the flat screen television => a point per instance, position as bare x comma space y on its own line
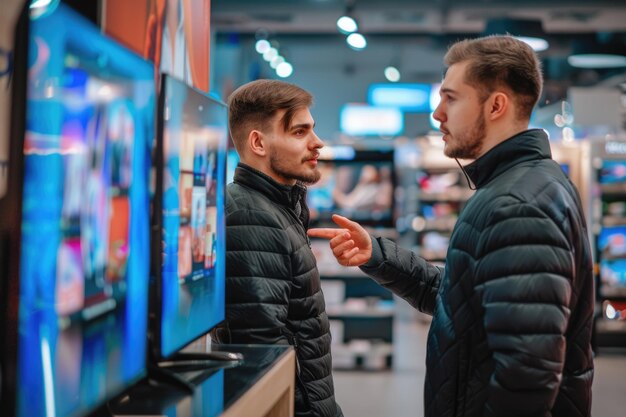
613, 172
408, 97
188, 291
84, 123
357, 119
358, 184
612, 242
613, 277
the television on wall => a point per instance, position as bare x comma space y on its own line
358, 184
84, 122
408, 97
188, 291
357, 119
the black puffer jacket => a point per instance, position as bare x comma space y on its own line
512, 311
273, 289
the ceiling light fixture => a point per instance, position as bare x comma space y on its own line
346, 23
529, 31
356, 41
590, 53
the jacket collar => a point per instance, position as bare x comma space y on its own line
529, 145
287, 195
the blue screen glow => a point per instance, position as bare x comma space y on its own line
83, 305
406, 97
194, 139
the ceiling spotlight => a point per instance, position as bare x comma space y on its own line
284, 69
270, 54
347, 24
356, 41
276, 61
392, 74
262, 46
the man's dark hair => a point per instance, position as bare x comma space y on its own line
497, 62
253, 105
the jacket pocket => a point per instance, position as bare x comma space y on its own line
293, 341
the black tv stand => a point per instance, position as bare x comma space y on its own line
168, 371
220, 356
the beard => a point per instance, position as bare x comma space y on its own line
282, 168
469, 144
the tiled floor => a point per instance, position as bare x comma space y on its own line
399, 392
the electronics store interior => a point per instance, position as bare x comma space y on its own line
115, 155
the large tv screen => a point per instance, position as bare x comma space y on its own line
613, 172
190, 244
357, 119
358, 184
84, 235
406, 97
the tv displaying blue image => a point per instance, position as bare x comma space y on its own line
83, 293
356, 119
406, 97
613, 172
194, 134
612, 242
613, 277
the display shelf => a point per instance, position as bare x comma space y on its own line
450, 195
617, 292
363, 355
609, 240
613, 189
608, 221
376, 311
441, 192
358, 309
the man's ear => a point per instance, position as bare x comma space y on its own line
256, 142
499, 104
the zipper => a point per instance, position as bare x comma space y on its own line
293, 341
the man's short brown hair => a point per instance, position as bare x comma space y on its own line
500, 61
254, 104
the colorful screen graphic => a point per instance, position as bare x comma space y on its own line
192, 274
360, 188
613, 172
85, 218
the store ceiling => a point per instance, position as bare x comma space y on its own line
416, 16
421, 30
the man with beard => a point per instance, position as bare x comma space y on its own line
512, 309
273, 289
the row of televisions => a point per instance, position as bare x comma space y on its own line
112, 251
87, 271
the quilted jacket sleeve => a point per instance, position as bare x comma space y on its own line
404, 273
524, 274
258, 277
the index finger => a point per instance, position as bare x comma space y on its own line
326, 233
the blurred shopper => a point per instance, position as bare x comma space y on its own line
273, 289
512, 310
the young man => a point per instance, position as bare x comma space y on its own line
273, 290
512, 310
